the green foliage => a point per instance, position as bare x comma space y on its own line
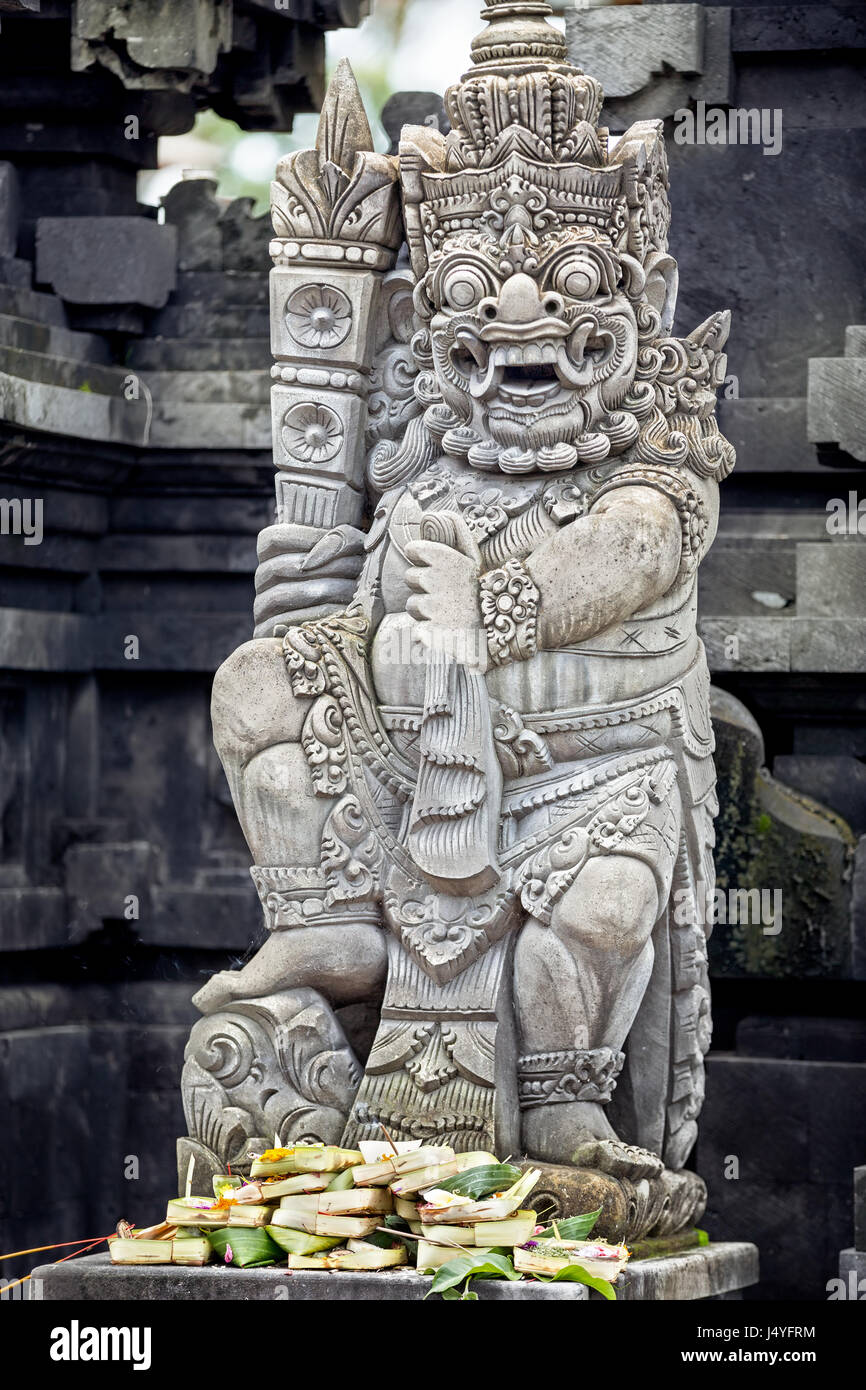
251, 1247
572, 1228
484, 1264
482, 1181
576, 1274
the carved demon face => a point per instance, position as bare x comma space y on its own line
535, 343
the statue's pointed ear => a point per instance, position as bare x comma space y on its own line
422, 151
662, 283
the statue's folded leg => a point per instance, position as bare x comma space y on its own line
258, 724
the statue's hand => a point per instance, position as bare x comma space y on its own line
304, 572
445, 601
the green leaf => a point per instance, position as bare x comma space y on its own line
703, 1238
482, 1181
572, 1228
576, 1274
342, 1182
487, 1264
251, 1247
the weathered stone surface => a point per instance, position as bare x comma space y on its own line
703, 1273
107, 260
803, 1039
792, 1194
860, 1208
831, 580
653, 61
413, 108
858, 910
839, 783
9, 202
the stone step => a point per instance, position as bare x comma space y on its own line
32, 336
199, 354
243, 387
32, 304
210, 320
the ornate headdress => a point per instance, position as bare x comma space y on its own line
525, 148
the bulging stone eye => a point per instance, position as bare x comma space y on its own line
578, 278
464, 288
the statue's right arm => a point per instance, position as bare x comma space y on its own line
605, 566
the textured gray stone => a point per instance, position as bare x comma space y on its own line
839, 783
852, 1266
858, 911
9, 204
860, 1208
107, 260
654, 60
837, 388
702, 1273
831, 580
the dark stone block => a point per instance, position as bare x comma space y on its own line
860, 1208
775, 328
858, 912
839, 783
756, 580
793, 1127
209, 320
803, 1039
107, 260
738, 1090
797, 28
9, 210
413, 108
192, 208
17, 272
245, 239
216, 919
198, 354
837, 1121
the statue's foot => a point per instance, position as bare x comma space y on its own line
553, 1132
617, 1159
221, 989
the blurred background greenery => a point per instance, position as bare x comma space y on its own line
405, 45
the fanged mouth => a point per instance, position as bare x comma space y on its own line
531, 376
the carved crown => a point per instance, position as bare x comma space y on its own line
525, 126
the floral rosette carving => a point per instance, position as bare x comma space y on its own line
312, 433
319, 316
509, 609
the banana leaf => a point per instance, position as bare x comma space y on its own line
244, 1247
487, 1264
300, 1242
481, 1182
572, 1228
342, 1182
576, 1274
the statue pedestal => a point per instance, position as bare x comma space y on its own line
708, 1272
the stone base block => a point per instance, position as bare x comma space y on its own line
710, 1272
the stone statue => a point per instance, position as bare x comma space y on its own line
470, 745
